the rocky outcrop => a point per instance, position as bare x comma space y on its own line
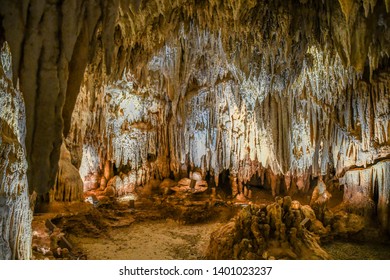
15, 212
186, 185
68, 186
282, 230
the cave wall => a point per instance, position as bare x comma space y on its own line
51, 42
15, 212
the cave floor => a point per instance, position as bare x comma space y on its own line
149, 240
167, 239
147, 233
143, 233
345, 250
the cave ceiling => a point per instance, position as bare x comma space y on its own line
333, 55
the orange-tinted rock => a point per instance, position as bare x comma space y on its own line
68, 186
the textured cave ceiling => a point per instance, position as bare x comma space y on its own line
322, 50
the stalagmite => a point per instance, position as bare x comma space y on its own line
68, 186
262, 233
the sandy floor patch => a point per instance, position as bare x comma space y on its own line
149, 240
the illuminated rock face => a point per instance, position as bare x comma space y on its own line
325, 120
367, 191
15, 213
284, 110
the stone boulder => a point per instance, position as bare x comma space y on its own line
184, 186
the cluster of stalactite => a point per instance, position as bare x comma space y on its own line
367, 191
327, 120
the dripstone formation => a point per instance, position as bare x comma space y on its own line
110, 97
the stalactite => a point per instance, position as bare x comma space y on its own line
252, 126
366, 192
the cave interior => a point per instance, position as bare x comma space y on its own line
219, 129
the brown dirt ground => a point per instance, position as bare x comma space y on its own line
149, 240
143, 234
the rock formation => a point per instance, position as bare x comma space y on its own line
284, 114
15, 213
279, 91
268, 232
284, 229
68, 185
367, 191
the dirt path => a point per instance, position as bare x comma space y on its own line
149, 240
344, 250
